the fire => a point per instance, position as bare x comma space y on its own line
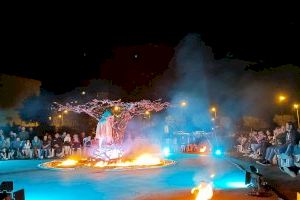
204, 191
147, 159
202, 149
143, 160
68, 163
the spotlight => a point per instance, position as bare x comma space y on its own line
6, 191
166, 151
6, 186
218, 152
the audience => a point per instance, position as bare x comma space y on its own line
19, 146
282, 147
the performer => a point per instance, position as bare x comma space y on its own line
104, 130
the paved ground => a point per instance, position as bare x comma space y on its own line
284, 183
41, 184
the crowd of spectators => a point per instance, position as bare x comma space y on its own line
278, 147
26, 144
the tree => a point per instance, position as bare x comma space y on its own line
281, 120
254, 122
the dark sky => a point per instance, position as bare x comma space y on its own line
65, 52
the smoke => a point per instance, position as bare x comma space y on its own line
195, 76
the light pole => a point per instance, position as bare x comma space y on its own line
296, 107
214, 110
62, 119
61, 116
281, 99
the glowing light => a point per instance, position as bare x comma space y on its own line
143, 160
147, 112
116, 108
213, 109
68, 163
166, 151
59, 116
83, 93
296, 106
212, 175
202, 149
66, 112
147, 159
204, 191
212, 119
183, 103
281, 98
218, 152
50, 118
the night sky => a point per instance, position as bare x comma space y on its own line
66, 52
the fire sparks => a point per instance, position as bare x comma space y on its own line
202, 149
68, 163
204, 191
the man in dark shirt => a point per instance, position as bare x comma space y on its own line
23, 135
57, 144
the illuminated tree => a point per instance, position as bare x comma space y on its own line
123, 112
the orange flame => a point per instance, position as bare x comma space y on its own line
202, 149
68, 163
143, 160
204, 191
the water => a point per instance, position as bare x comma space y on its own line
94, 184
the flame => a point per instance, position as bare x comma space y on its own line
143, 160
68, 163
204, 191
147, 159
202, 149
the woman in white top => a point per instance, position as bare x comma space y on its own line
67, 145
27, 149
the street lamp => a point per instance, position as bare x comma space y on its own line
296, 107
281, 98
214, 110
83, 92
183, 103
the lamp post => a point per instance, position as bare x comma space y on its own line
214, 110
281, 99
62, 119
296, 107
61, 116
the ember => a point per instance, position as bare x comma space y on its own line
204, 191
